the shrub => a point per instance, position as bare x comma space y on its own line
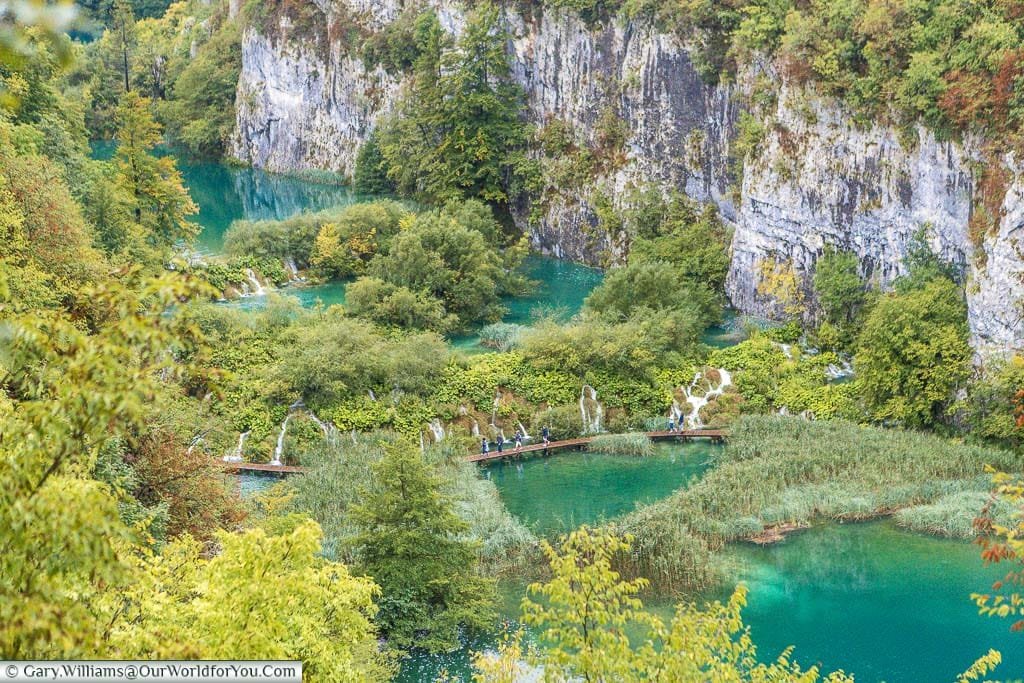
564, 422
634, 443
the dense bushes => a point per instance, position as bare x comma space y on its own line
337, 241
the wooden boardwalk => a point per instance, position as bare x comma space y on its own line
236, 467
715, 435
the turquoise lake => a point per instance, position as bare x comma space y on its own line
884, 604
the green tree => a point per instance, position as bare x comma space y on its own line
913, 353
657, 286
201, 111
411, 544
65, 394
459, 133
161, 204
396, 306
123, 31
452, 256
262, 596
838, 286
371, 175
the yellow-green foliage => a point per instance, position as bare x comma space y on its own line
769, 380
781, 283
265, 595
586, 610
1004, 542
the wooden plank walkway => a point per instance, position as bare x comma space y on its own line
261, 467
685, 435
716, 435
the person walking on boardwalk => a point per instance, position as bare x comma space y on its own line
519, 439
501, 443
671, 423
483, 446
546, 433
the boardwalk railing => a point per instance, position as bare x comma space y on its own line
715, 435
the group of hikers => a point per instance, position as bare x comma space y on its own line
672, 423
485, 445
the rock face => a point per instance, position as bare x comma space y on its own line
816, 178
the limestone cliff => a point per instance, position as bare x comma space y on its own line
815, 179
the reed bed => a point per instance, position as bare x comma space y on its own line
954, 514
782, 471
633, 443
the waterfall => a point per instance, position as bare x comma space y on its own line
698, 402
292, 269
196, 440
236, 455
324, 427
373, 396
494, 412
844, 369
522, 430
279, 448
475, 429
787, 350
436, 430
255, 288
590, 414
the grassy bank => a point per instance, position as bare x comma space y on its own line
778, 471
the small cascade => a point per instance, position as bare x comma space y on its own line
436, 430
196, 440
699, 401
494, 412
324, 427
373, 396
423, 445
236, 455
787, 350
254, 287
475, 429
591, 411
292, 270
840, 371
279, 448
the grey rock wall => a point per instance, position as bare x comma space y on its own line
816, 179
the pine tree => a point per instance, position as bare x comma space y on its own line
411, 544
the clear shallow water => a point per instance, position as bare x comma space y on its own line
876, 601
879, 602
560, 492
250, 484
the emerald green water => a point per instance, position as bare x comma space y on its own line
871, 599
226, 193
562, 491
876, 601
